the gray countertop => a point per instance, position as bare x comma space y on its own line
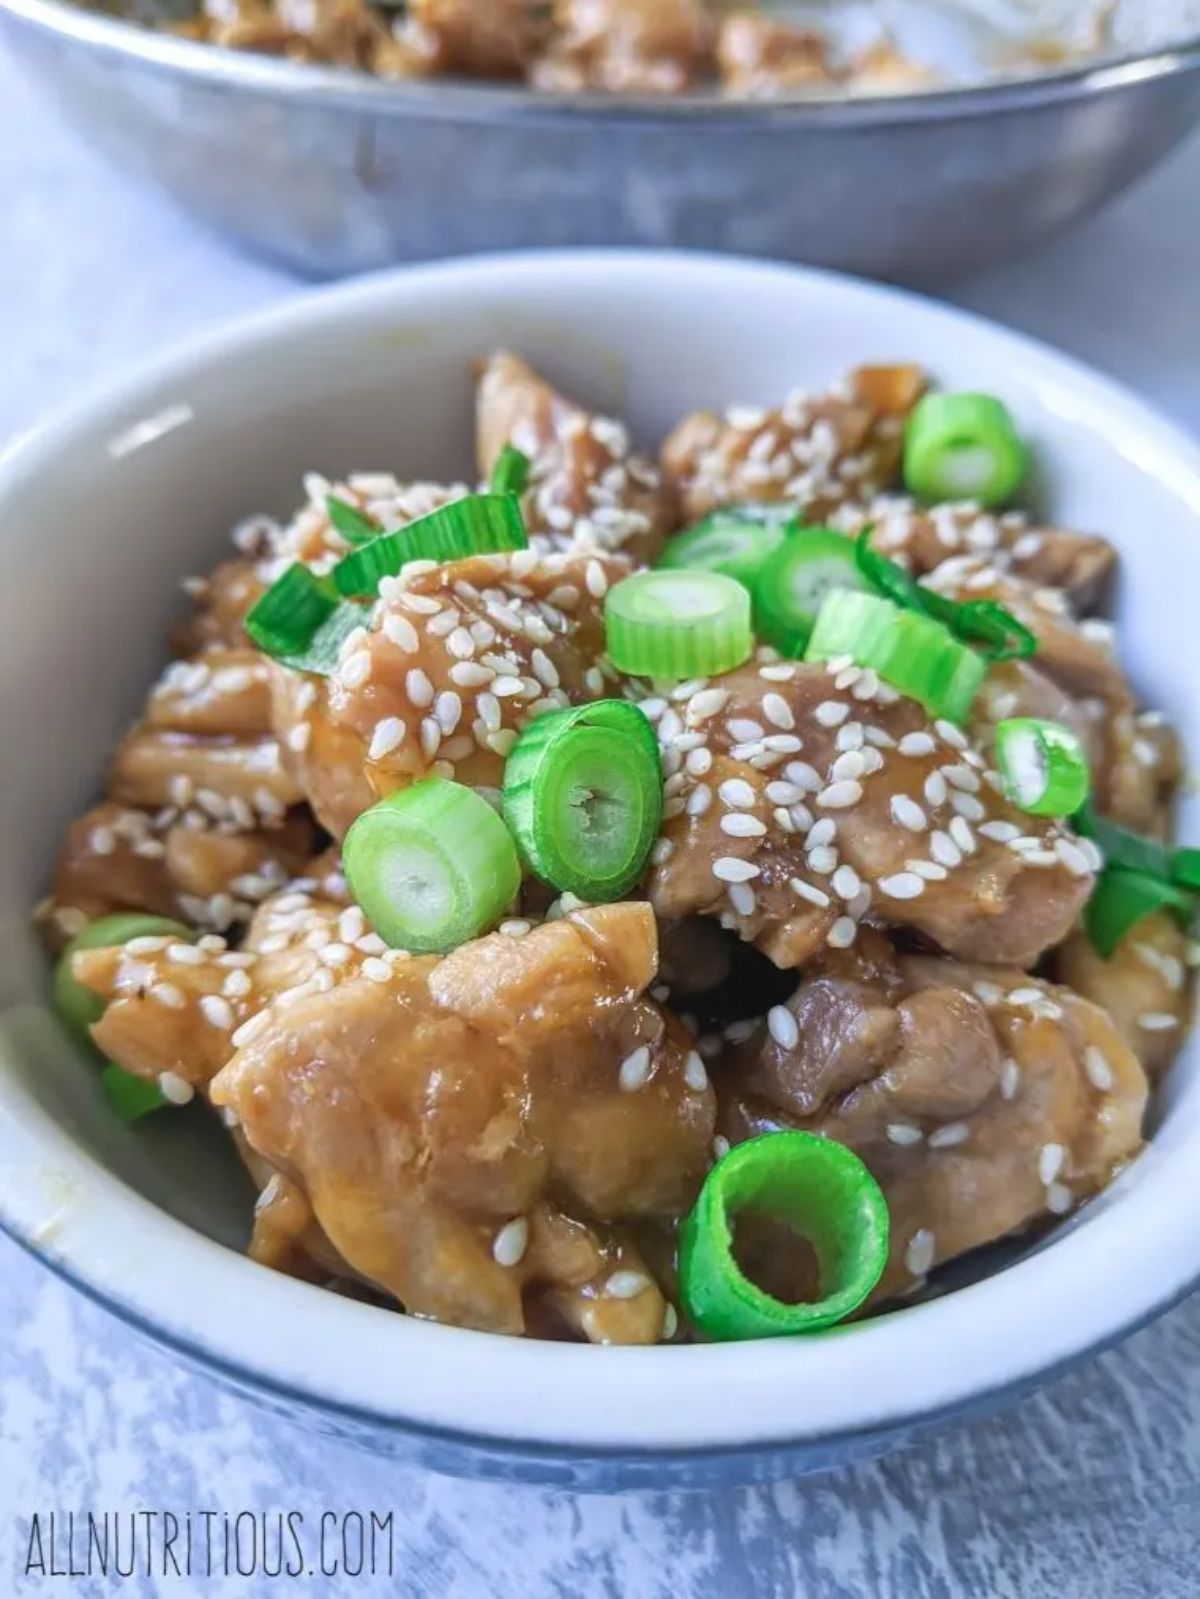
1088, 1490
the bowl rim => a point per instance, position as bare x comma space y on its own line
463, 99
663, 1402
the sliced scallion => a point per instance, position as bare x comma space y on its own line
301, 622
1044, 768
678, 624
912, 652
814, 1186
350, 522
809, 564
479, 524
1122, 898
735, 540
963, 447
583, 798
130, 1096
510, 475
432, 866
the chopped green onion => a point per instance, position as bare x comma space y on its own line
350, 522
479, 524
913, 653
963, 447
432, 866
985, 624
678, 624
510, 475
818, 1188
1122, 898
1185, 868
301, 623
78, 1006
1122, 848
735, 540
130, 1096
583, 797
1044, 768
793, 583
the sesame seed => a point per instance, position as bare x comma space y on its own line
960, 831
1157, 1021
916, 744
1059, 1199
707, 703
388, 735
1010, 1078
376, 970
948, 1136
355, 672
805, 777
848, 767
236, 985
936, 791
780, 793
217, 1011
782, 1026
670, 1324
1050, 1162
418, 688
729, 869
823, 860
850, 736
903, 1133
902, 885
699, 800
699, 761
846, 882
778, 712
626, 1284
662, 851
840, 796
170, 996
249, 1030
961, 777
843, 933
738, 825
298, 737
918, 1256
929, 870
694, 1073
966, 805
1099, 1072
509, 1244
743, 898
943, 849
744, 730
398, 630
831, 713
176, 1089
506, 687
736, 791
999, 832
720, 1147
815, 896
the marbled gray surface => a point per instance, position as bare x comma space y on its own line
1089, 1490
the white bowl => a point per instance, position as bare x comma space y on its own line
100, 514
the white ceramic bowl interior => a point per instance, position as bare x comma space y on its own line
100, 515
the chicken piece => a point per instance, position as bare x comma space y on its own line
457, 660
883, 68
152, 769
1140, 772
627, 46
221, 601
587, 491
818, 451
981, 1099
479, 38
810, 799
1144, 986
222, 691
1081, 564
762, 57
454, 1122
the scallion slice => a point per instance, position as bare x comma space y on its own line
1185, 869
583, 797
510, 475
1043, 765
913, 653
677, 624
963, 447
301, 623
792, 585
78, 1006
1122, 898
350, 522
735, 540
818, 1188
479, 524
1122, 848
130, 1096
432, 866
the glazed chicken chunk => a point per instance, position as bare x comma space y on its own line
627, 46
588, 491
805, 799
981, 1099
816, 451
